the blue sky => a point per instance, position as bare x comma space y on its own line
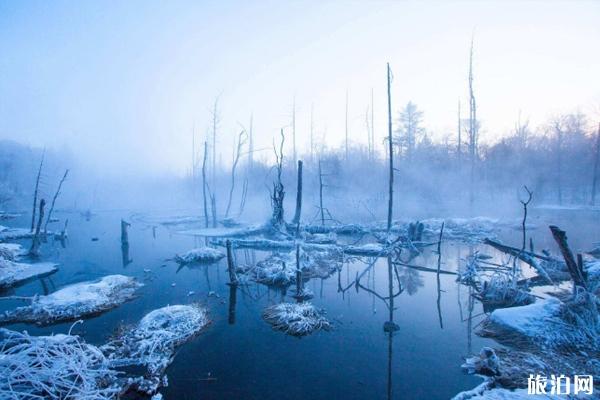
123, 83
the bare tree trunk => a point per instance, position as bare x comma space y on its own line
299, 283
390, 150
346, 124
596, 166
278, 193
312, 133
321, 194
243, 198
472, 127
54, 201
372, 146
124, 233
296, 219
233, 280
294, 131
34, 251
35, 192
215, 122
251, 146
459, 145
204, 184
525, 204
213, 207
240, 144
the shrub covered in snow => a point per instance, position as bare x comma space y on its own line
153, 342
53, 367
76, 301
297, 319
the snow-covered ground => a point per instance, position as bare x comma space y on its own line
14, 273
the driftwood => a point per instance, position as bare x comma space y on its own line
525, 256
575, 270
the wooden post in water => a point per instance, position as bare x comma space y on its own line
299, 288
124, 233
296, 220
233, 280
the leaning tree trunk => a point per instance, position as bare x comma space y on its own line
54, 201
34, 251
35, 192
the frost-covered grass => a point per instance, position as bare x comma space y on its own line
14, 273
501, 290
200, 255
153, 342
297, 319
76, 301
53, 367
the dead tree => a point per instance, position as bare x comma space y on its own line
575, 270
233, 280
596, 167
439, 265
243, 198
250, 145
346, 125
372, 144
204, 184
215, 123
472, 127
299, 283
390, 150
278, 193
35, 192
296, 220
321, 194
459, 144
54, 201
213, 206
34, 251
124, 233
525, 204
294, 154
242, 137
312, 133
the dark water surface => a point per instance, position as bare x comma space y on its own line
246, 358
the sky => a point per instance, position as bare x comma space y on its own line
123, 85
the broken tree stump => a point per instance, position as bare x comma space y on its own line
575, 270
233, 280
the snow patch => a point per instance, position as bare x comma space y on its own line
14, 273
296, 319
200, 255
76, 301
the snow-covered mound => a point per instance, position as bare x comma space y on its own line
11, 251
153, 342
76, 301
14, 273
200, 255
296, 319
53, 367
7, 234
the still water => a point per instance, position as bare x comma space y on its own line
239, 356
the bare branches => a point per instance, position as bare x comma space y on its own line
525, 204
242, 138
54, 201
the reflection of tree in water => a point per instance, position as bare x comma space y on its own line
410, 279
